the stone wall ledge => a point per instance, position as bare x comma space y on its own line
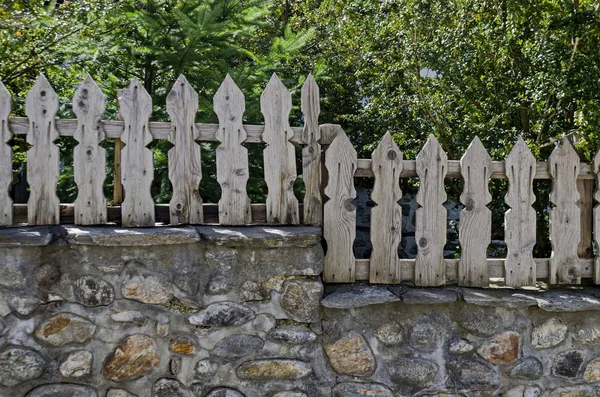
360, 295
112, 236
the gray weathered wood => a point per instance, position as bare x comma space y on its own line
137, 172
89, 158
519, 220
431, 217
339, 219
280, 159
597, 216
6, 209
232, 157
386, 216
565, 231
185, 168
311, 153
475, 227
496, 269
41, 105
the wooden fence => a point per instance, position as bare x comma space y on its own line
332, 179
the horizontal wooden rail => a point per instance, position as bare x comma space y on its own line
211, 213
409, 170
158, 129
496, 268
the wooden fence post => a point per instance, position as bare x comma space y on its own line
519, 220
137, 172
386, 216
311, 154
6, 203
89, 158
185, 165
232, 158
339, 221
279, 156
431, 218
43, 159
565, 217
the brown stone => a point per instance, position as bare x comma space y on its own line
64, 329
183, 346
135, 356
351, 356
274, 369
502, 349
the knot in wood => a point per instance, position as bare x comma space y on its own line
392, 155
348, 205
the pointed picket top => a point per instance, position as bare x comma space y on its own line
311, 153
339, 219
42, 102
475, 226
276, 101
229, 102
565, 231
89, 103
596, 220
231, 157
430, 234
89, 158
6, 211
137, 166
311, 108
476, 158
279, 155
387, 214
520, 161
41, 105
520, 219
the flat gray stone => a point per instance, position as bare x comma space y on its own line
112, 236
430, 296
261, 236
529, 368
498, 298
295, 335
481, 323
469, 373
166, 387
23, 305
18, 365
523, 391
222, 314
119, 393
413, 371
359, 295
549, 334
567, 301
235, 346
25, 236
425, 337
62, 390
354, 389
390, 334
224, 392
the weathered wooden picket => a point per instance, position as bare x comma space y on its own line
329, 184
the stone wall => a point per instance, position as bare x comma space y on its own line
239, 312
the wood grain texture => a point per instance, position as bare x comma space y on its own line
386, 216
232, 157
520, 219
339, 219
431, 216
565, 230
586, 215
41, 105
475, 227
6, 203
311, 153
89, 159
137, 167
596, 165
279, 156
185, 167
